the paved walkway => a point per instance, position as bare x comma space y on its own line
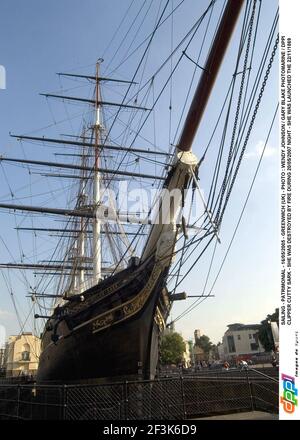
253, 415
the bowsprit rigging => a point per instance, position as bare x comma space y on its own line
105, 292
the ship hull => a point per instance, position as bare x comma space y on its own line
104, 342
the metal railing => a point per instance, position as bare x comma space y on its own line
160, 399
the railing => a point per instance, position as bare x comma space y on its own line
160, 399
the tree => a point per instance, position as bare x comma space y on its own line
172, 348
265, 332
205, 343
214, 353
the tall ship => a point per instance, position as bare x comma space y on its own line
103, 297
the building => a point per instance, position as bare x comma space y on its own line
197, 334
240, 341
2, 357
220, 348
22, 354
187, 355
198, 355
213, 354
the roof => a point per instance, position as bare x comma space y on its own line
238, 326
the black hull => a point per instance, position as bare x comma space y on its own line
126, 348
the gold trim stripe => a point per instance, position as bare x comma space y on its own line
131, 307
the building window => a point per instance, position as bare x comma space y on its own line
239, 337
254, 346
255, 336
25, 356
231, 344
250, 336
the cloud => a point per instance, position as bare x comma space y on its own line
258, 148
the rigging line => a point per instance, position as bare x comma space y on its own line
154, 126
51, 191
250, 127
164, 86
7, 181
194, 73
147, 56
245, 27
184, 250
52, 256
255, 87
253, 93
193, 61
249, 106
235, 125
215, 178
178, 239
231, 84
65, 106
24, 281
125, 138
147, 38
138, 30
76, 115
131, 243
126, 35
217, 25
199, 256
9, 290
218, 162
34, 238
245, 203
207, 234
51, 111
171, 80
117, 30
82, 84
12, 297
180, 249
263, 60
221, 147
191, 242
139, 134
21, 187
251, 63
133, 78
192, 30
199, 300
39, 194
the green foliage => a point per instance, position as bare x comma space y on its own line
265, 332
205, 343
172, 348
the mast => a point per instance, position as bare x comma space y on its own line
82, 236
96, 187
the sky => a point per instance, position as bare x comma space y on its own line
40, 38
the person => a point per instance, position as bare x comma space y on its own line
243, 365
226, 365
